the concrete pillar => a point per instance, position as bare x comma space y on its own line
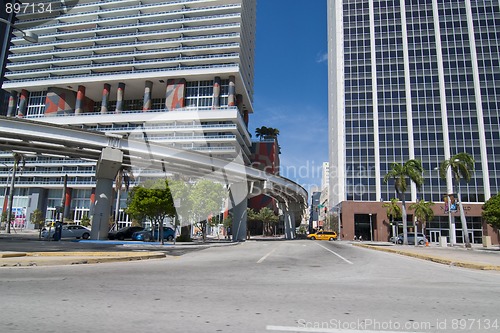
92, 203
148, 91
67, 203
216, 101
11, 109
120, 95
105, 98
23, 103
231, 99
107, 167
80, 100
238, 193
37, 200
175, 94
289, 220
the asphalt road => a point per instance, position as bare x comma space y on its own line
282, 286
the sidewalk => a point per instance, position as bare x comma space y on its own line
476, 258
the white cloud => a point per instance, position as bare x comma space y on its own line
322, 57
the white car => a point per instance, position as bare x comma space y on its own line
69, 231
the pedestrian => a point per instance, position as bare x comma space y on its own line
360, 238
229, 233
355, 239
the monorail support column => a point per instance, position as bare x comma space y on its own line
107, 167
289, 220
238, 193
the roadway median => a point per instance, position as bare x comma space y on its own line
30, 259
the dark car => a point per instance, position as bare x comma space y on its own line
124, 233
147, 235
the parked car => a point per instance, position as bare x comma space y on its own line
323, 235
124, 233
421, 239
146, 235
68, 231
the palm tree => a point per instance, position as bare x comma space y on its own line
261, 132
461, 165
123, 177
423, 212
400, 172
393, 211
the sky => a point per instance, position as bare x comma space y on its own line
291, 84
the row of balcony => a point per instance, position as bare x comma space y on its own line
157, 71
136, 46
136, 64
160, 34
85, 9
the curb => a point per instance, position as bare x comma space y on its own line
74, 258
436, 259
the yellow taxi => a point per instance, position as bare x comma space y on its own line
323, 235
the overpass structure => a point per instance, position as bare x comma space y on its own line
112, 152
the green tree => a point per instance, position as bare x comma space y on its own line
423, 212
491, 211
264, 132
207, 199
154, 204
462, 166
413, 170
393, 212
36, 218
180, 190
85, 221
268, 219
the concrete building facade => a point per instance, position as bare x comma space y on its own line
176, 72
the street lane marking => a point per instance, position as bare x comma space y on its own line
338, 255
323, 330
267, 255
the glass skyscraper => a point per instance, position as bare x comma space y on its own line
413, 79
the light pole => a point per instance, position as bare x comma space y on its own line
6, 191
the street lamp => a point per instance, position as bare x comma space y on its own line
6, 191
27, 35
17, 158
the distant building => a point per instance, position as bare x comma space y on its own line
412, 80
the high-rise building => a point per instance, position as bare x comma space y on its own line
177, 72
414, 79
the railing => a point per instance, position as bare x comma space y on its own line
125, 54
129, 26
99, 47
101, 11
155, 70
126, 63
186, 109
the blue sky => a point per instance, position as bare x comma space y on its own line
291, 84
